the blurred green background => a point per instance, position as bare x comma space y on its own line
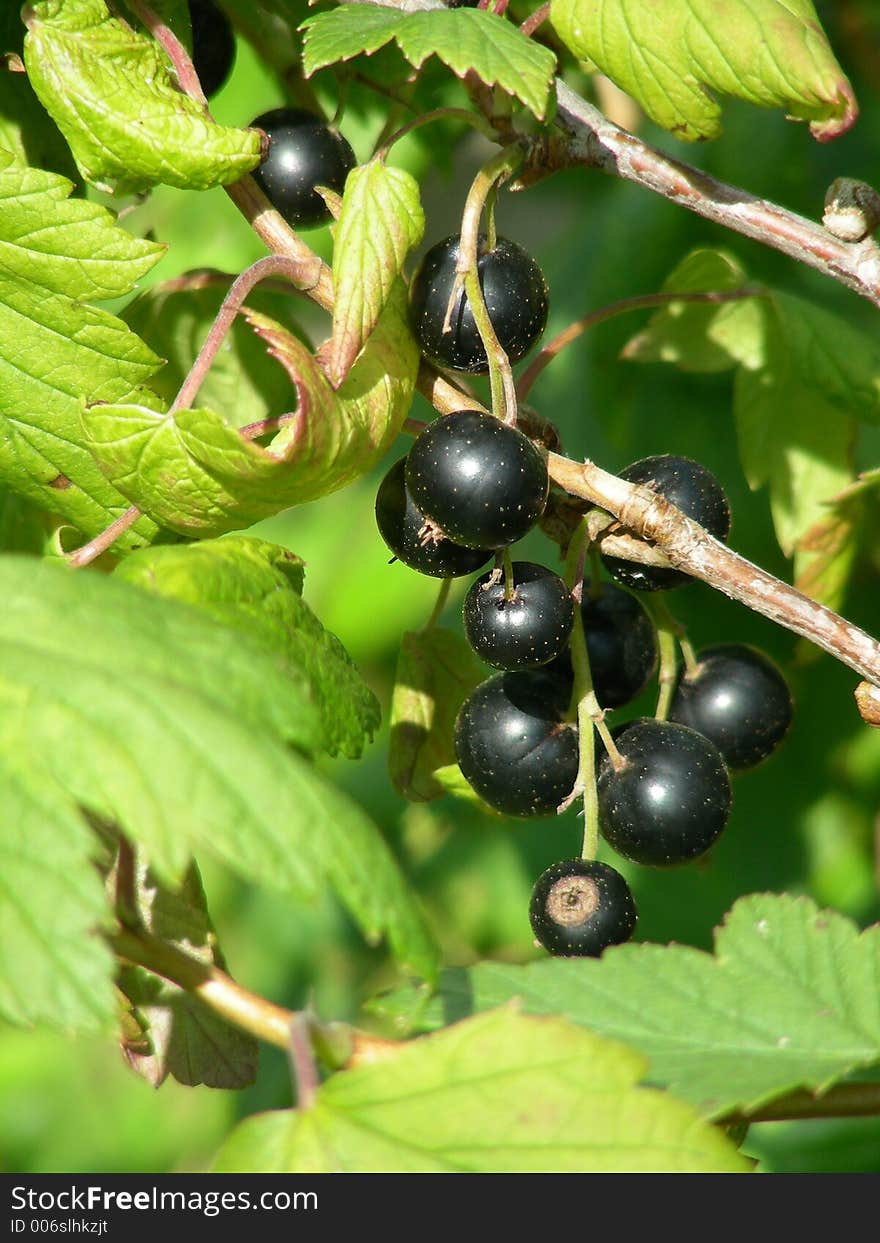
806, 822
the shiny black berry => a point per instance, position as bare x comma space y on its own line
401, 524
513, 746
526, 630
213, 45
303, 152
737, 698
692, 489
580, 907
483, 483
516, 298
621, 645
670, 800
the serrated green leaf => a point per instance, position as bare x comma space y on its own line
673, 56
55, 352
803, 376
54, 967
70, 246
174, 320
381, 221
436, 671
255, 587
174, 727
111, 93
467, 40
789, 1000
193, 473
500, 1093
183, 1038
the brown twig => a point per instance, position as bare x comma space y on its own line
689, 547
239, 1006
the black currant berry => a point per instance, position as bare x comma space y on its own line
512, 745
738, 699
692, 489
527, 630
213, 45
579, 908
670, 800
482, 482
516, 298
303, 152
621, 645
400, 524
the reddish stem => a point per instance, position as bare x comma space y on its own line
639, 302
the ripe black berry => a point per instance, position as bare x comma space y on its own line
692, 489
527, 630
581, 907
213, 45
737, 698
512, 745
621, 645
483, 483
516, 298
670, 800
400, 523
304, 152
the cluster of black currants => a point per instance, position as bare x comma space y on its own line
470, 487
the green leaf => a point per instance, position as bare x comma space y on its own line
174, 319
183, 1037
70, 246
24, 527
803, 376
790, 435
174, 727
698, 336
501, 1093
789, 1000
55, 352
674, 56
193, 473
27, 130
255, 587
78, 58
381, 221
54, 968
436, 671
466, 40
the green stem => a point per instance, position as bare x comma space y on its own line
668, 672
498, 170
474, 119
671, 635
509, 584
584, 701
439, 605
